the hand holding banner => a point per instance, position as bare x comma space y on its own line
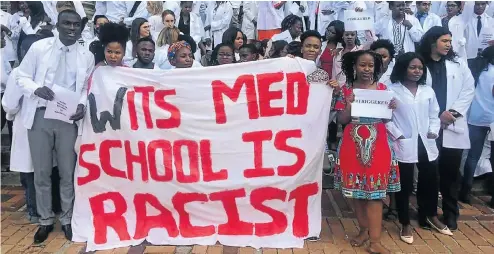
231, 153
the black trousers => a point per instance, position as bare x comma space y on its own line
427, 188
449, 179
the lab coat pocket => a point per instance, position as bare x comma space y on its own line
432, 150
405, 150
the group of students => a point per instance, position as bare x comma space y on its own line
443, 101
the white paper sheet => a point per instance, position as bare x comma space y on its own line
486, 35
372, 103
357, 21
63, 106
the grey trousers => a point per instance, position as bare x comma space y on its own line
44, 136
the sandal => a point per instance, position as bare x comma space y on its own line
358, 241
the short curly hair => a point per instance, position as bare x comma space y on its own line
385, 44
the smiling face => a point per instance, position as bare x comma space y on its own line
114, 53
144, 30
364, 67
69, 28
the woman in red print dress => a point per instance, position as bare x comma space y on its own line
365, 168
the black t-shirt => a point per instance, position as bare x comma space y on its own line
184, 28
439, 81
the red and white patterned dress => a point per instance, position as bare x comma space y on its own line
365, 167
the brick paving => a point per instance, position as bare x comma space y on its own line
475, 233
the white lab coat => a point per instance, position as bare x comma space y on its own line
141, 12
50, 8
471, 32
414, 116
220, 21
430, 21
384, 28
439, 8
196, 31
268, 17
461, 90
20, 154
250, 13
380, 10
457, 27
32, 72
322, 20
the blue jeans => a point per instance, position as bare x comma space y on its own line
27, 181
477, 140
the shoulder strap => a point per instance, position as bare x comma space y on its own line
134, 8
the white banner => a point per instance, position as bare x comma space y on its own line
231, 153
358, 21
372, 103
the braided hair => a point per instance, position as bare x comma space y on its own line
289, 21
349, 60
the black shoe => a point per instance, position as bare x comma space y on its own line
312, 239
67, 230
42, 233
491, 204
465, 199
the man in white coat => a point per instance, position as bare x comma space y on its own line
426, 18
51, 62
401, 29
454, 87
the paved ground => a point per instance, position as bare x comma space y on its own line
475, 234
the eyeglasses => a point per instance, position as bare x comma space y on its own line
451, 5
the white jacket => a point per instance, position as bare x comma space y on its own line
461, 90
414, 116
32, 72
457, 27
268, 17
250, 13
384, 30
220, 21
322, 20
430, 21
20, 155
